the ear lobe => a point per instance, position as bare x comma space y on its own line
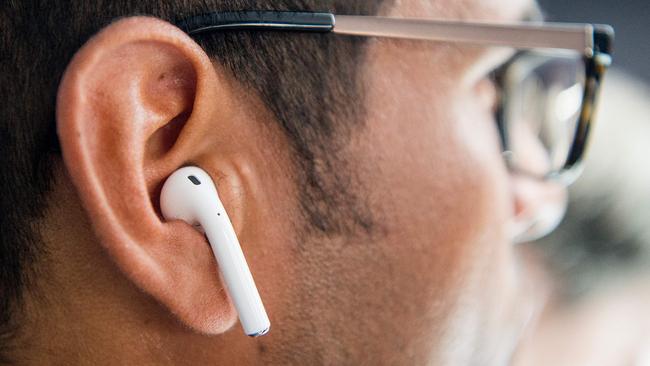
132, 107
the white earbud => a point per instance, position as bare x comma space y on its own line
190, 195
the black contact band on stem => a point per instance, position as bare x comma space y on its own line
278, 20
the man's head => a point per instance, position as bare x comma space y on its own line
364, 179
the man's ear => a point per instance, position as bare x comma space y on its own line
138, 101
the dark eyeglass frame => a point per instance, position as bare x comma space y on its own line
593, 41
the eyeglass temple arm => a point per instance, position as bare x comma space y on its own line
577, 37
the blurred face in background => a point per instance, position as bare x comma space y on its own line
437, 280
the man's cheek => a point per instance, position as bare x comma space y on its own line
476, 127
482, 194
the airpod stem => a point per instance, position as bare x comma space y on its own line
189, 194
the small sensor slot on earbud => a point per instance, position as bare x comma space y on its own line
194, 180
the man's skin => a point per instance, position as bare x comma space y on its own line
436, 281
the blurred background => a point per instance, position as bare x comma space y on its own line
599, 257
608, 219
630, 18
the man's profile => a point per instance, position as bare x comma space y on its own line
377, 179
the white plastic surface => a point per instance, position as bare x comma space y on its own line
183, 199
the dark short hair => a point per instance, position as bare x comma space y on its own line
304, 79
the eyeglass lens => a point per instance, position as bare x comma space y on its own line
543, 94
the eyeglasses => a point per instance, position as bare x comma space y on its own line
548, 90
